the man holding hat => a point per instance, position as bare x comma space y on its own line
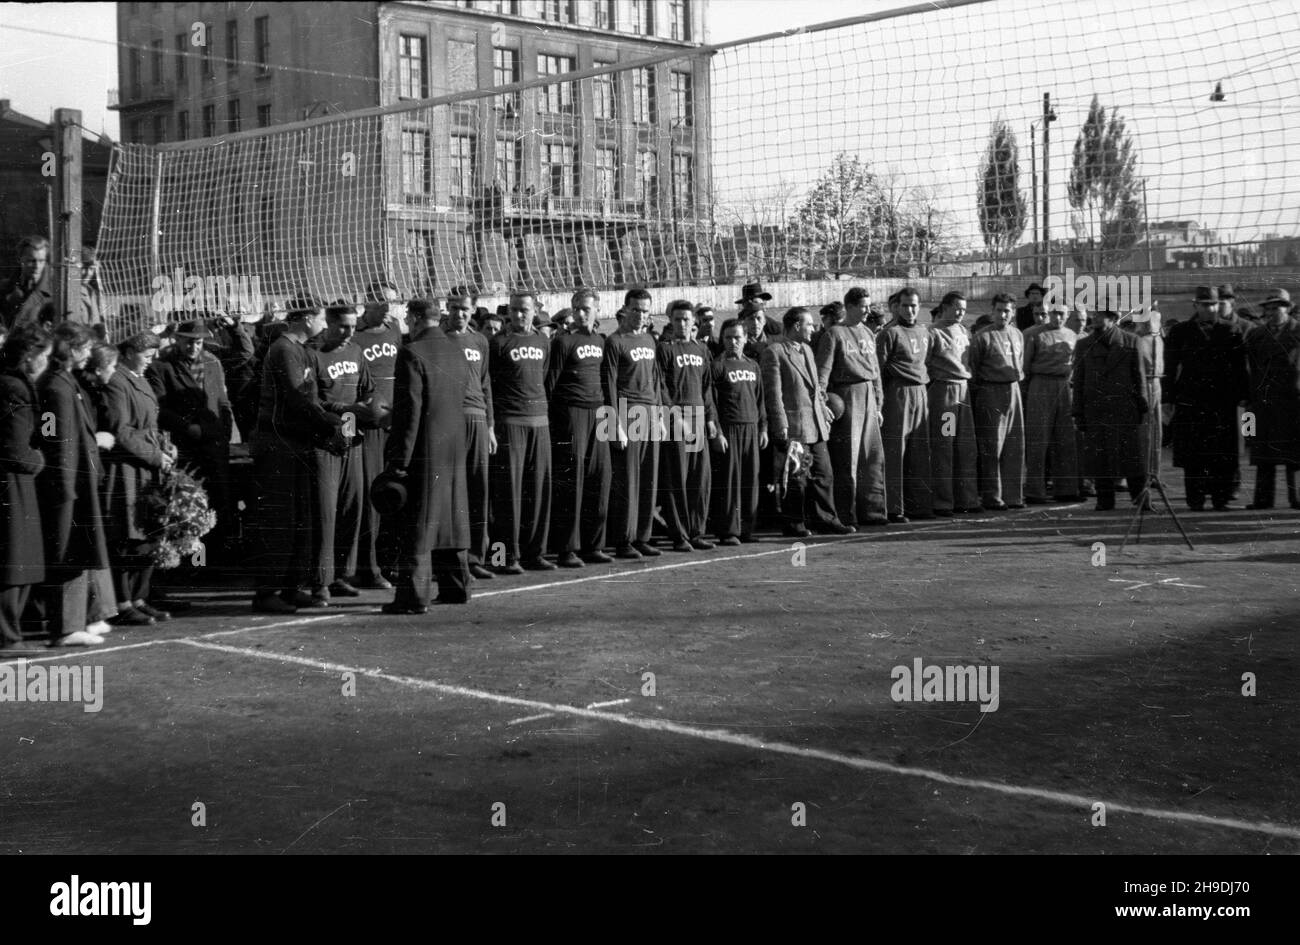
1206, 369
1273, 369
425, 454
194, 409
1031, 313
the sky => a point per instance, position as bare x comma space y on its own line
915, 95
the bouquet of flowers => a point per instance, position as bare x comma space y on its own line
174, 512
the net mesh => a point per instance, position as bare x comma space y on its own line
906, 147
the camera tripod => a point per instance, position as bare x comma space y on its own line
1153, 480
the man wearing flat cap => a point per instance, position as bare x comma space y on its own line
194, 409
1206, 372
1273, 369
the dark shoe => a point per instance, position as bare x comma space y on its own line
628, 553
154, 612
919, 516
943, 513
647, 550
995, 506
538, 564
747, 538
1196, 506
898, 519
1035, 500
1224, 507
682, 546
973, 510
569, 559
318, 600
596, 557
297, 599
510, 567
342, 588
273, 604
1013, 506
700, 544
795, 531
451, 600
403, 609
1258, 506
875, 520
1105, 504
480, 572
729, 541
835, 528
375, 582
131, 617
1067, 498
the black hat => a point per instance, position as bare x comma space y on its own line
1206, 293
192, 329
1278, 297
388, 492
1035, 288
1225, 291
751, 291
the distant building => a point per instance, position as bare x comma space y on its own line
555, 188
24, 205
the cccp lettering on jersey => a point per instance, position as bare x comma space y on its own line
339, 368
527, 354
736, 377
641, 354
472, 354
385, 350
589, 351
690, 360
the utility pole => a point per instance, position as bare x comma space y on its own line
1049, 116
66, 236
1146, 224
1033, 179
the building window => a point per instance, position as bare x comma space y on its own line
233, 123
557, 97
605, 18
509, 156
209, 121
505, 71
606, 174
643, 17
603, 99
682, 95
679, 19
683, 183
462, 165
647, 177
643, 95
558, 11
137, 131
182, 57
417, 165
232, 45
412, 74
262, 40
133, 70
207, 51
506, 7
264, 116
558, 170
182, 126
155, 62
159, 129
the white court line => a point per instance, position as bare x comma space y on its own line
780, 748
531, 718
66, 652
606, 705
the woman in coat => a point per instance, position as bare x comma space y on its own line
136, 461
23, 360
68, 489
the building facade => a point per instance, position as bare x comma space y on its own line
599, 182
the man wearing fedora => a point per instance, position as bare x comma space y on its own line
1032, 312
194, 409
423, 487
1273, 370
1206, 372
753, 298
